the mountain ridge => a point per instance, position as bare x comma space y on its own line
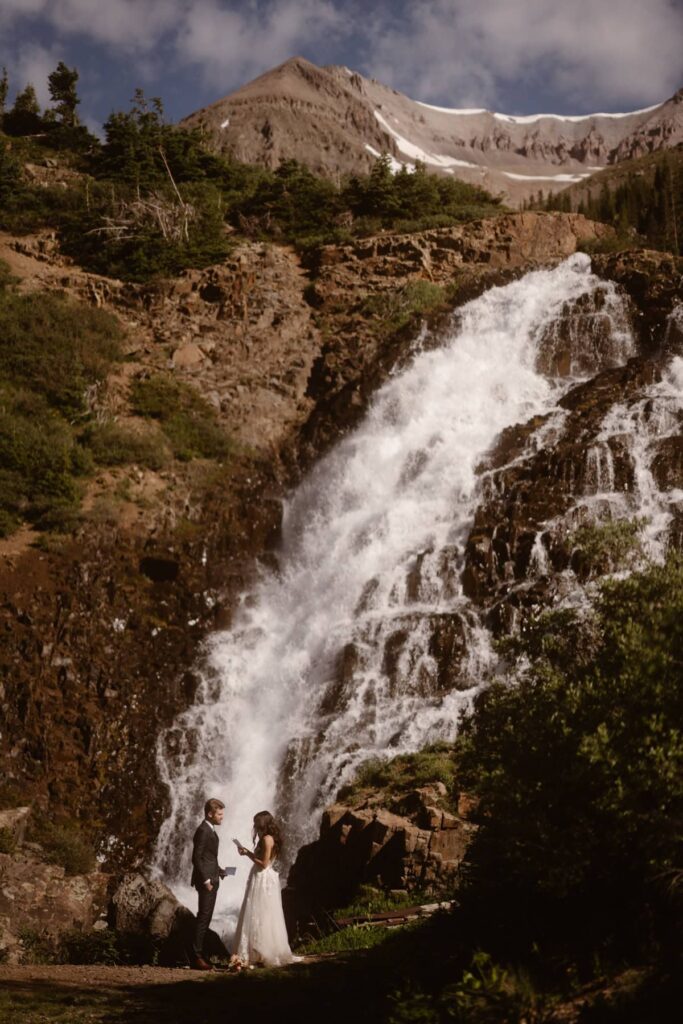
337, 122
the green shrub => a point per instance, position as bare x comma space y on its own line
40, 461
66, 845
486, 993
393, 310
114, 445
610, 546
101, 947
56, 348
360, 936
188, 421
579, 772
8, 842
401, 774
39, 947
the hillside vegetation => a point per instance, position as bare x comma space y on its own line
642, 199
150, 200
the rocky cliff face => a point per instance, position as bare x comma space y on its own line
337, 122
101, 631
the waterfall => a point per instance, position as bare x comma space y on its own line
363, 643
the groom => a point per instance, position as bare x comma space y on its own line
206, 875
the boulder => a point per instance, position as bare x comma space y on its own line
148, 909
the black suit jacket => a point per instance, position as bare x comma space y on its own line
205, 856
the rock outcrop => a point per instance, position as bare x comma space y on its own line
39, 898
415, 845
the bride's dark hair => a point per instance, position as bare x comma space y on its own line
266, 825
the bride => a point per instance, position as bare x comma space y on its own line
261, 935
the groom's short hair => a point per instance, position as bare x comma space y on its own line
213, 805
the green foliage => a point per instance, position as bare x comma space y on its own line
114, 445
362, 936
65, 844
403, 773
610, 546
8, 840
188, 421
579, 772
371, 900
56, 348
395, 309
39, 460
642, 200
39, 947
10, 173
24, 117
486, 993
62, 86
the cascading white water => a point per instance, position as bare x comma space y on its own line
331, 660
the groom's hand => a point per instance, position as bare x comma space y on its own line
208, 885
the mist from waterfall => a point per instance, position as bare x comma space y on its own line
310, 680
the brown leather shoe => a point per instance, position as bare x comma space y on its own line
201, 965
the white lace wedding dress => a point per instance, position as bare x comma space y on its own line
261, 936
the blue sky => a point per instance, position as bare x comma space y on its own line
515, 56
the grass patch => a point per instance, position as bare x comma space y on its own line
362, 936
371, 900
187, 420
391, 779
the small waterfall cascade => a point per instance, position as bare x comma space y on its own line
363, 642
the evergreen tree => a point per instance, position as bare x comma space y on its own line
62, 84
24, 117
4, 89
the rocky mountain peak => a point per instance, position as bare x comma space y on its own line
336, 121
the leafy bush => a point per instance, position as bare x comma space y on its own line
39, 459
393, 310
114, 445
608, 547
579, 773
486, 993
66, 845
8, 840
188, 421
55, 347
39, 947
101, 947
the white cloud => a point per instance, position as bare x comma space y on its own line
33, 64
231, 45
591, 50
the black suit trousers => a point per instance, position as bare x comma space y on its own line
207, 902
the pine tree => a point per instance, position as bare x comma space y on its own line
4, 89
62, 85
24, 117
